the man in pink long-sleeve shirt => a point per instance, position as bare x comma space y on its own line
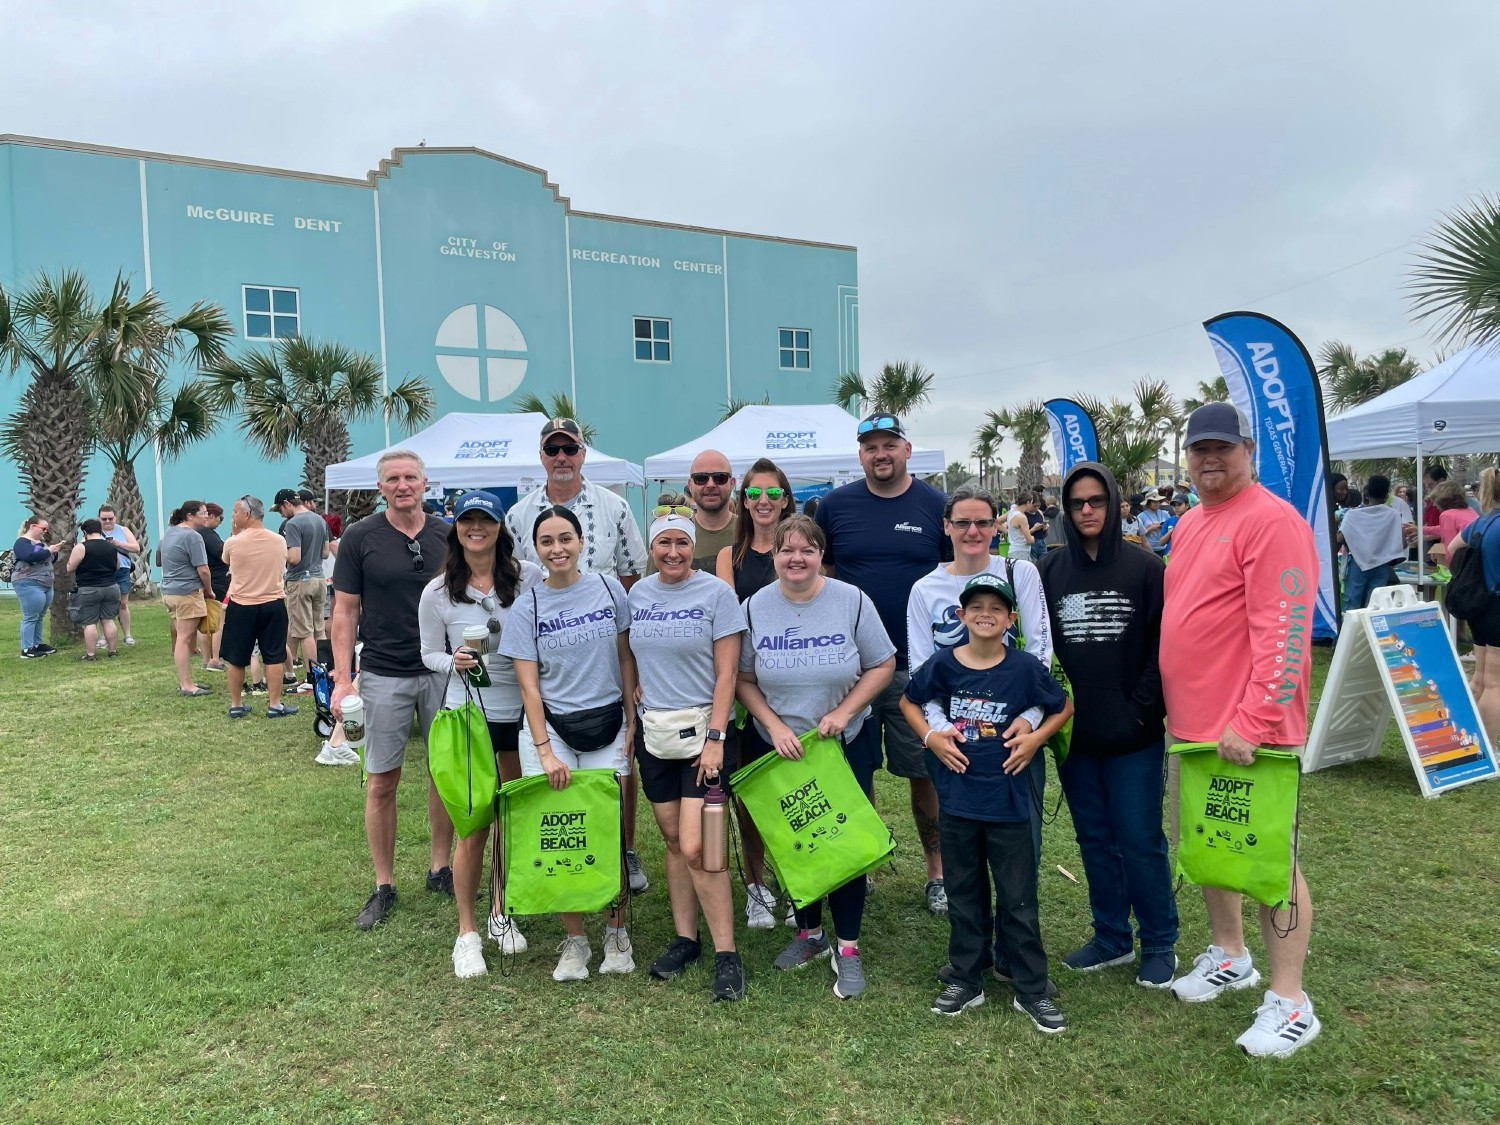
1236, 662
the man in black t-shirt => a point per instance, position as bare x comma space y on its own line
386, 560
884, 533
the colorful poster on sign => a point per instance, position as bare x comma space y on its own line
1438, 720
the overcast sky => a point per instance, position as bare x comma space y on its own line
1047, 198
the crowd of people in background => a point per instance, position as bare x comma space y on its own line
940, 661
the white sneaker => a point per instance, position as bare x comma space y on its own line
1213, 972
574, 962
791, 914
129, 639
758, 907
1281, 1026
347, 755
507, 934
617, 953
330, 755
468, 956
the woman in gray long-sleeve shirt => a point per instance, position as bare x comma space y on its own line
32, 580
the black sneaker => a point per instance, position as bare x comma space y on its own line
377, 906
729, 977
31, 654
679, 955
440, 882
947, 975
958, 997
44, 650
1046, 1015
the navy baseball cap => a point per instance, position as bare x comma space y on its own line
987, 584
486, 502
1216, 421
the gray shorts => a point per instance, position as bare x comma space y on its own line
904, 756
390, 703
98, 603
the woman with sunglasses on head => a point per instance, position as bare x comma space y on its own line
841, 660
969, 520
765, 500
480, 582
685, 633
569, 638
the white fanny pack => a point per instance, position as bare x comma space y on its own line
675, 735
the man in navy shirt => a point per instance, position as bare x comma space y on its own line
884, 533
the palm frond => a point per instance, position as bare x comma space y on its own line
1456, 282
850, 392
410, 403
735, 405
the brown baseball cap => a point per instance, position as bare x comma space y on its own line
562, 426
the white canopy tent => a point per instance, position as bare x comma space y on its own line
480, 450
808, 442
1453, 407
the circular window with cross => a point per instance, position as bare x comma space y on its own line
481, 352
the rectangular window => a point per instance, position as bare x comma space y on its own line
796, 349
653, 340
272, 313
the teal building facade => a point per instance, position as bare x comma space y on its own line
469, 269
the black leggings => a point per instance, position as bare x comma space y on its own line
847, 903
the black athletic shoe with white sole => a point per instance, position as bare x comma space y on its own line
1044, 1014
957, 998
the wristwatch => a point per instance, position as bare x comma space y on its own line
716, 735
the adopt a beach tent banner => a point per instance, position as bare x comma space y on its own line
1271, 379
1073, 436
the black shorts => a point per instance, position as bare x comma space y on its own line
1485, 628
748, 744
667, 781
245, 626
505, 737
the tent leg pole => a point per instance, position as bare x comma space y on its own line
1417, 519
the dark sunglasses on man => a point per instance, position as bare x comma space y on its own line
1079, 503
720, 479
570, 448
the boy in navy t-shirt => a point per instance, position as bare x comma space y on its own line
979, 769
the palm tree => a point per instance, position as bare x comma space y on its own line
304, 394
900, 389
50, 330
986, 445
951, 477
1350, 380
735, 405
135, 405
1027, 426
1156, 409
1457, 278
1126, 448
561, 406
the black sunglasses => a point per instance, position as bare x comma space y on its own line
416, 556
571, 448
720, 479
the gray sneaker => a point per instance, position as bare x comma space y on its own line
638, 880
849, 975
802, 949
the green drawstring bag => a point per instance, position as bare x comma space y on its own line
562, 846
461, 760
1239, 823
819, 828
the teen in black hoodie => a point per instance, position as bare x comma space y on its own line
1104, 599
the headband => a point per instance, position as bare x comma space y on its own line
673, 522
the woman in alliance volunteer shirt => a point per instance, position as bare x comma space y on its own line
569, 639
685, 628
481, 580
814, 656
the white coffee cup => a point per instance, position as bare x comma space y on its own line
354, 722
477, 637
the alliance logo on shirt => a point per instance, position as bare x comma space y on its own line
564, 621
792, 639
657, 611
791, 439
904, 526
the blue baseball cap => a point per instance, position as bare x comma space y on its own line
486, 502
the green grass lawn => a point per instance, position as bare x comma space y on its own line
177, 898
